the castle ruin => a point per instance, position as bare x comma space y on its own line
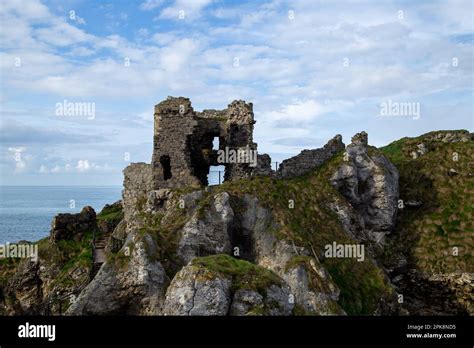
183, 151
183, 142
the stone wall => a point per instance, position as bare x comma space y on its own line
137, 183
239, 135
183, 142
264, 165
308, 160
175, 124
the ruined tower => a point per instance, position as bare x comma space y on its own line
183, 142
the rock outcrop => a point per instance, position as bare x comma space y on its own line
310, 284
221, 285
133, 282
264, 165
208, 231
196, 291
25, 288
73, 226
370, 184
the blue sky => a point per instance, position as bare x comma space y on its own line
312, 69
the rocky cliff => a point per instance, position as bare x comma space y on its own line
339, 230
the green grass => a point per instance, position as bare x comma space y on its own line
361, 289
69, 255
244, 275
111, 213
428, 234
166, 235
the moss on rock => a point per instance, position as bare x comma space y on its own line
244, 275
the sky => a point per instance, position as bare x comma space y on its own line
312, 69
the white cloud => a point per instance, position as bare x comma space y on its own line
83, 166
61, 33
150, 5
82, 51
32, 9
192, 9
177, 54
300, 111
80, 20
56, 169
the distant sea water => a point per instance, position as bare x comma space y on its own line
26, 212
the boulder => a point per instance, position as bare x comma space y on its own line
198, 291
223, 285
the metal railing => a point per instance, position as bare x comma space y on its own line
216, 177
46, 307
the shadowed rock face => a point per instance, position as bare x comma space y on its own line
370, 184
73, 226
25, 286
220, 233
135, 286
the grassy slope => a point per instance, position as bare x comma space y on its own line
112, 213
311, 224
446, 219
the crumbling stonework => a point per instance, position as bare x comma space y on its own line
264, 165
183, 142
308, 160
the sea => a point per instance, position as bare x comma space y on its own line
26, 212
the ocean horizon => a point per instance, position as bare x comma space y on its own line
26, 212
